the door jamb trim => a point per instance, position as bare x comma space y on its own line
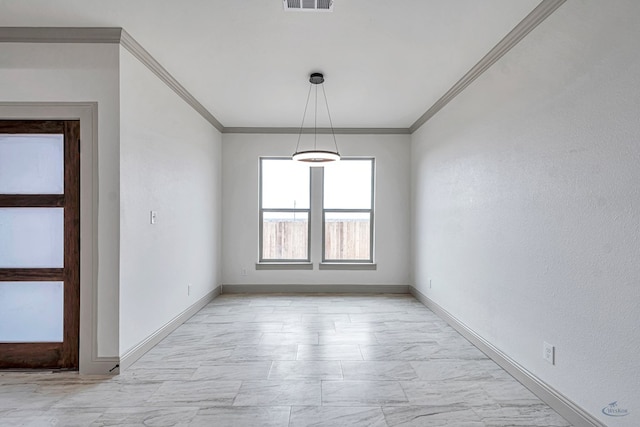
87, 112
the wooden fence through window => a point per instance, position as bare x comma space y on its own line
344, 240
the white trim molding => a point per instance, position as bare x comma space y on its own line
117, 35
556, 400
60, 35
337, 131
347, 266
284, 266
120, 36
135, 353
524, 27
107, 35
156, 68
314, 289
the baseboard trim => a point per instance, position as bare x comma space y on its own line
343, 289
560, 403
101, 366
337, 131
139, 350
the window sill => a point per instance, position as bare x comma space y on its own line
284, 266
348, 266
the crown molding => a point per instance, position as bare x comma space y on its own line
120, 36
60, 35
524, 27
145, 57
107, 36
337, 131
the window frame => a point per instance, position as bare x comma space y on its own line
262, 210
371, 211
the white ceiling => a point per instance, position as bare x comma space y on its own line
248, 61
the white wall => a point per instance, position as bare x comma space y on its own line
50, 72
526, 205
170, 163
241, 153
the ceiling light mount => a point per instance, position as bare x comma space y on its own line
316, 157
316, 78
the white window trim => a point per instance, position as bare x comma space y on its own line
316, 244
327, 264
282, 262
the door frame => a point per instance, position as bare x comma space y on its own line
87, 112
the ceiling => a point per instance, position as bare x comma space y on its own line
248, 61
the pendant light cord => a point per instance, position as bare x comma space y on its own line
303, 116
315, 123
330, 121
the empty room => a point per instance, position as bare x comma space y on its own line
320, 213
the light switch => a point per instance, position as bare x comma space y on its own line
154, 217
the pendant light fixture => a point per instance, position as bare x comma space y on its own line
316, 157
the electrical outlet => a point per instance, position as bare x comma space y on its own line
189, 289
549, 353
153, 217
430, 283
243, 271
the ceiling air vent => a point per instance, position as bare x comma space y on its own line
308, 5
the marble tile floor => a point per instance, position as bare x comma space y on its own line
290, 360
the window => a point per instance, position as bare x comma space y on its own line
284, 211
334, 203
347, 211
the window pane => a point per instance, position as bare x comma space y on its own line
31, 237
285, 184
31, 164
347, 185
285, 235
31, 311
347, 236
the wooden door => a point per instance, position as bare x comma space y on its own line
39, 244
